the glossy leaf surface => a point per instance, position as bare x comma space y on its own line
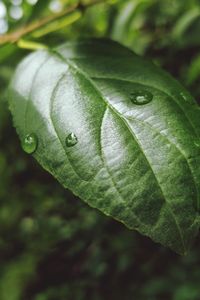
136, 162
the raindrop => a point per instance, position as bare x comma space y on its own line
30, 143
141, 97
71, 140
197, 143
187, 98
182, 94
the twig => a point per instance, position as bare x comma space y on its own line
21, 32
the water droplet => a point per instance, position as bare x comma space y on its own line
182, 94
187, 98
197, 143
71, 140
30, 143
141, 97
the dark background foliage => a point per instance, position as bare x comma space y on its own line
52, 245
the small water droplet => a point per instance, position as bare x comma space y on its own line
197, 143
182, 94
71, 140
141, 97
187, 98
30, 143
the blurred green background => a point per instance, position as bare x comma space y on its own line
52, 245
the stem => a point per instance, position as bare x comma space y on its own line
15, 36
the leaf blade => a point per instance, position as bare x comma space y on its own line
130, 161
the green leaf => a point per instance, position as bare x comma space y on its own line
193, 71
129, 23
186, 30
139, 164
57, 24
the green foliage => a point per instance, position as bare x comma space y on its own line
52, 245
137, 163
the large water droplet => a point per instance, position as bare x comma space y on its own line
71, 140
30, 143
141, 97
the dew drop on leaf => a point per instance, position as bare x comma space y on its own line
141, 97
30, 143
187, 98
71, 140
197, 143
184, 97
